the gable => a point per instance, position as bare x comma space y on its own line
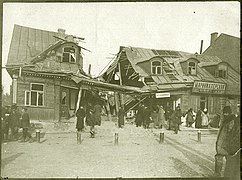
227, 48
27, 42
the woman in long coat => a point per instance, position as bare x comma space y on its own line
205, 118
161, 117
80, 114
189, 118
198, 120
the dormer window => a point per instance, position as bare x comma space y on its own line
192, 68
69, 55
221, 72
156, 67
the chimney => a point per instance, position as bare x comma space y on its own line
61, 33
213, 37
89, 70
201, 48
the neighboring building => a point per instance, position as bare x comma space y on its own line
40, 64
174, 77
47, 74
226, 47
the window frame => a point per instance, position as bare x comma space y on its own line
28, 103
189, 66
156, 67
224, 71
69, 55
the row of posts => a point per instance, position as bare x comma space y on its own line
79, 137
161, 140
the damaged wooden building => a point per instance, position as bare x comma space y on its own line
47, 74
170, 78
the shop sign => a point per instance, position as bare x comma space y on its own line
162, 95
209, 87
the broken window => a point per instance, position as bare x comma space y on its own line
69, 55
35, 97
192, 68
221, 71
156, 67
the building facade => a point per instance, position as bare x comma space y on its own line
170, 78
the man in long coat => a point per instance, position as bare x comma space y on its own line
228, 145
25, 124
139, 116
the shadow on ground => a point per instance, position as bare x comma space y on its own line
9, 159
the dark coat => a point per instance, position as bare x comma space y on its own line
146, 116
139, 115
25, 122
80, 114
177, 116
97, 114
14, 119
121, 114
198, 120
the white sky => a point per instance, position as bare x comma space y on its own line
107, 26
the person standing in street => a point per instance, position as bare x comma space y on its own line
97, 110
146, 117
189, 118
14, 122
177, 119
5, 122
161, 117
228, 145
80, 114
205, 118
121, 114
168, 114
233, 147
25, 124
198, 120
139, 116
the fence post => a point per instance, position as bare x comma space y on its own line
161, 137
38, 136
116, 139
199, 136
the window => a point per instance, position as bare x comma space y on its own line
221, 72
156, 67
69, 55
192, 68
203, 102
35, 97
63, 98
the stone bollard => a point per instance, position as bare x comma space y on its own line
162, 137
116, 139
79, 137
38, 136
199, 136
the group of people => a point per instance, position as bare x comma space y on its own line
12, 121
92, 117
159, 116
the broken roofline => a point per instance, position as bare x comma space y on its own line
108, 86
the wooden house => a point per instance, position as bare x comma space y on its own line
47, 74
174, 77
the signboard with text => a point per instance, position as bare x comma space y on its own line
208, 87
162, 95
